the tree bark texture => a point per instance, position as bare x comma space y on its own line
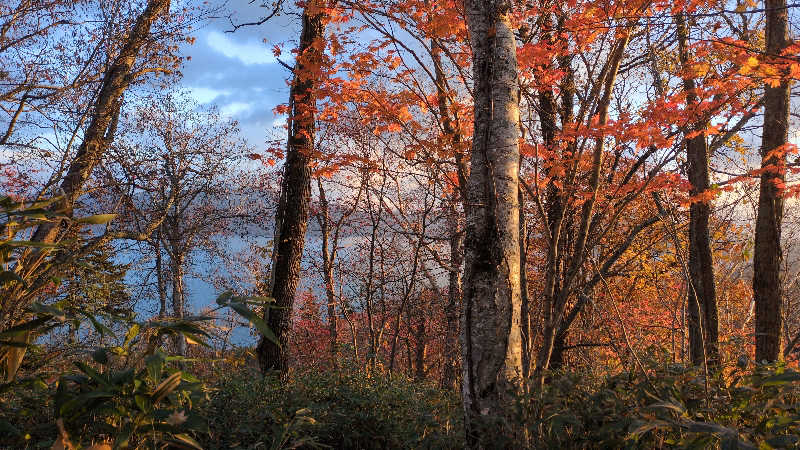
491, 338
767, 253
291, 217
702, 299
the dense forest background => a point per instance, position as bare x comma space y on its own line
399, 224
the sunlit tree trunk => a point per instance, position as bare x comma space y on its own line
291, 218
491, 340
767, 253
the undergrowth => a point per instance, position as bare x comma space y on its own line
662, 406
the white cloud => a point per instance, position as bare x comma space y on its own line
248, 53
206, 95
235, 108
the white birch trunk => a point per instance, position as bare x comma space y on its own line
491, 339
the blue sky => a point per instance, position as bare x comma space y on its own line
238, 72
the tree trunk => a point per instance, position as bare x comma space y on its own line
328, 257
453, 304
767, 253
178, 303
702, 302
291, 218
457, 237
421, 347
525, 320
162, 288
102, 126
491, 340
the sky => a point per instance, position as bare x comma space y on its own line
237, 71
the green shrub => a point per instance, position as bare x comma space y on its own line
673, 406
342, 410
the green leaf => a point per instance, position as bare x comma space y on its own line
223, 298
45, 203
155, 364
100, 356
142, 402
81, 400
92, 373
184, 441
97, 219
166, 386
124, 376
30, 325
9, 430
99, 327
49, 310
29, 244
258, 322
7, 277
133, 331
782, 378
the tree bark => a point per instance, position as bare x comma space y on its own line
491, 340
767, 254
291, 218
525, 313
702, 301
456, 240
162, 288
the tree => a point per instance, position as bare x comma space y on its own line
702, 301
767, 253
291, 218
177, 165
491, 340
102, 118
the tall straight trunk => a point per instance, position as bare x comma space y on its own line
421, 346
525, 313
702, 300
291, 218
162, 288
767, 253
491, 339
553, 197
457, 236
